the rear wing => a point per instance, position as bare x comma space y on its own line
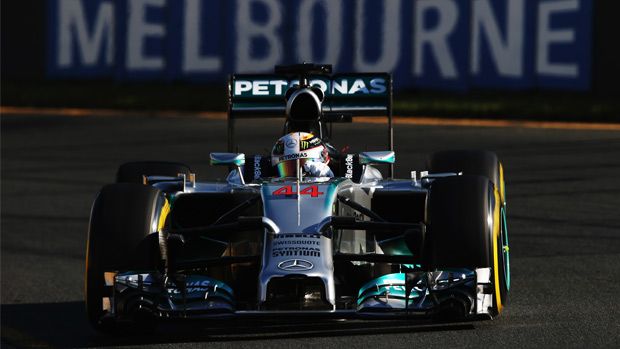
346, 95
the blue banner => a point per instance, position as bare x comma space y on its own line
441, 38
502, 44
425, 44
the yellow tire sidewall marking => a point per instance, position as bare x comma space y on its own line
163, 215
502, 186
496, 239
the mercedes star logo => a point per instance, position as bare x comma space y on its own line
295, 265
291, 143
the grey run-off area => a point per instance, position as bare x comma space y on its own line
563, 191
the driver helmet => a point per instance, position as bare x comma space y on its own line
297, 145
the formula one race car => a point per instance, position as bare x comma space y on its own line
305, 230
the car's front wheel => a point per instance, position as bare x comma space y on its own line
121, 236
466, 229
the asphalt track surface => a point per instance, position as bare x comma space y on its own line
563, 191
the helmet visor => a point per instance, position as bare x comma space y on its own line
289, 168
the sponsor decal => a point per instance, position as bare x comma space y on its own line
193, 287
296, 252
342, 86
295, 265
308, 144
348, 161
297, 236
292, 156
295, 242
291, 143
296, 245
257, 169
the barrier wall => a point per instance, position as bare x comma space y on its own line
437, 44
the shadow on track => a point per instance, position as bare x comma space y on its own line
65, 325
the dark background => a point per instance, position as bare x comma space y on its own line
24, 80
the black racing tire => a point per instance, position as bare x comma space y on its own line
132, 172
460, 233
482, 163
471, 162
121, 236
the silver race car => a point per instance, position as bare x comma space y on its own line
306, 230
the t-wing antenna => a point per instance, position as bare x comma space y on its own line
304, 70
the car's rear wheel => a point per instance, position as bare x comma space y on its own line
123, 219
132, 172
465, 230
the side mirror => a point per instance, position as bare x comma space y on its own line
377, 157
228, 159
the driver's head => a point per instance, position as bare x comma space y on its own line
297, 145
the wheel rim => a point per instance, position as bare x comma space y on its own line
505, 250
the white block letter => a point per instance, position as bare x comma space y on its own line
546, 36
247, 30
390, 39
138, 30
436, 38
507, 53
72, 25
242, 86
332, 37
192, 60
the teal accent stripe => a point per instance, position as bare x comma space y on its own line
506, 252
